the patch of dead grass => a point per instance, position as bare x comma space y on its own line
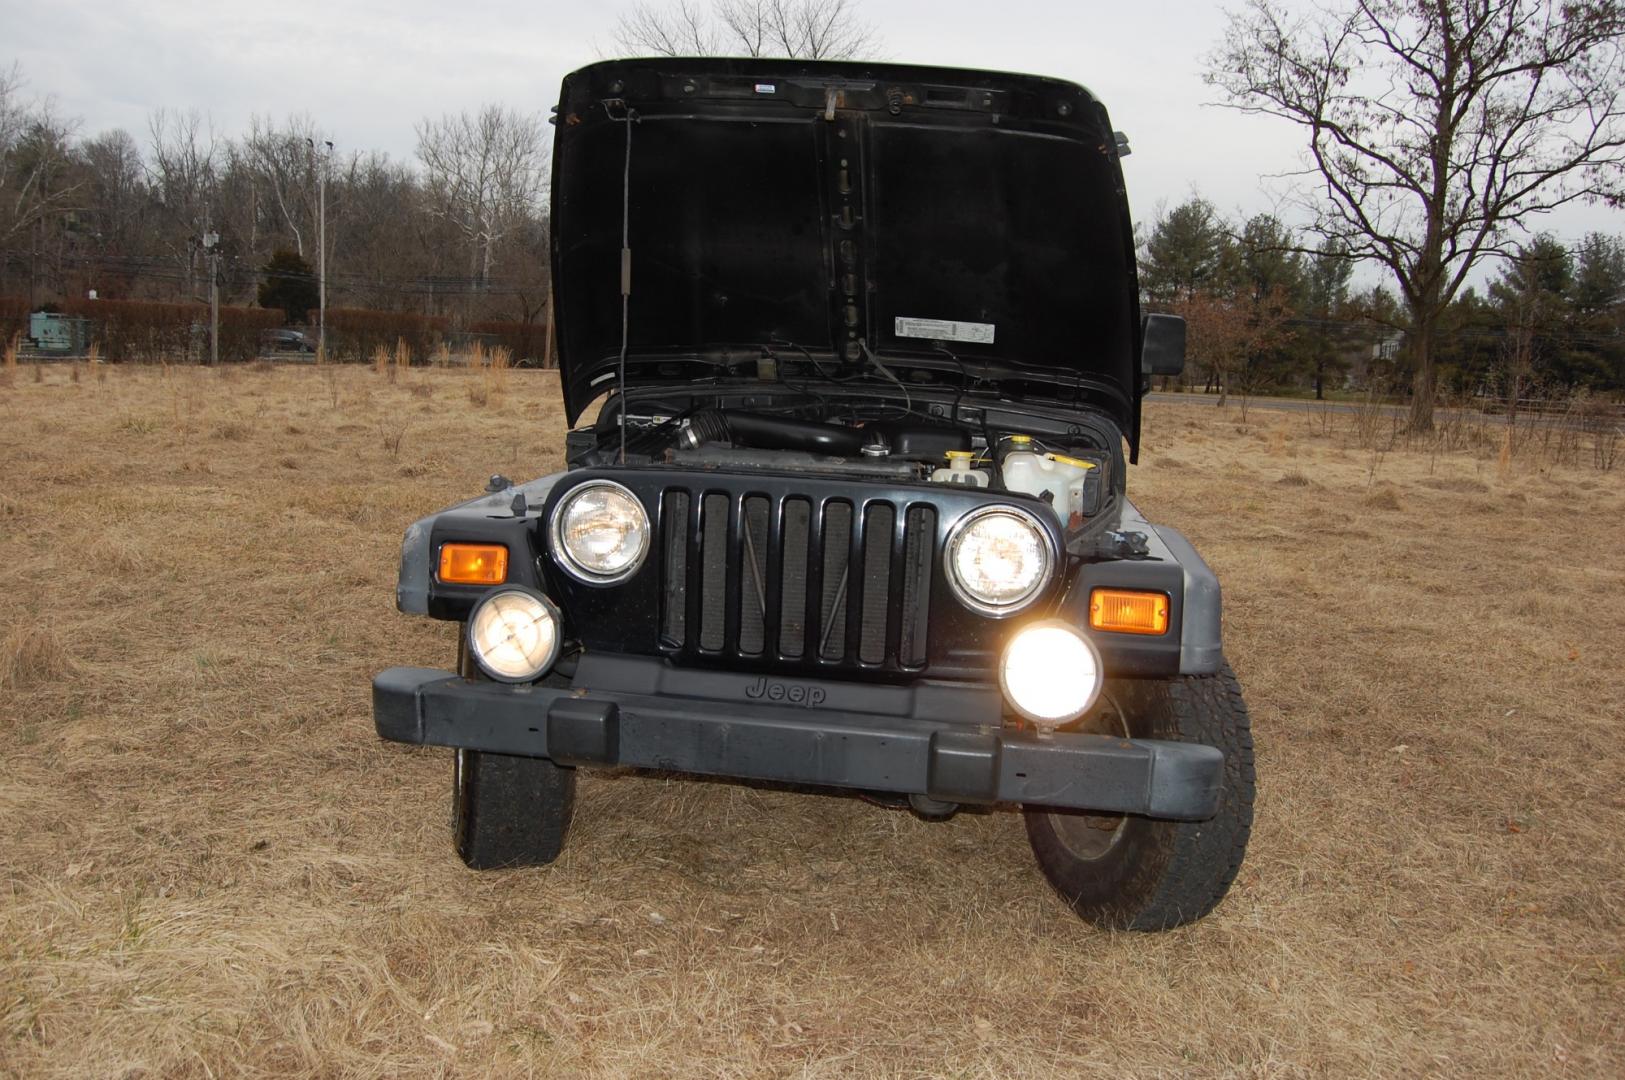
1383, 496
32, 654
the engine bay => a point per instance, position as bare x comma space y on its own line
1070, 467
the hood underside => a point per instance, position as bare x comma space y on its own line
955, 226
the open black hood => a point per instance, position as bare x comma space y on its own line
833, 207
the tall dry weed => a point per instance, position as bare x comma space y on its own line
442, 356
380, 362
496, 372
8, 372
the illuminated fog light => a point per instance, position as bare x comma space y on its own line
513, 635
1050, 673
999, 558
600, 532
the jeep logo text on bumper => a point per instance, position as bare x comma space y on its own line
790, 693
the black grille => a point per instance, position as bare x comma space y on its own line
832, 581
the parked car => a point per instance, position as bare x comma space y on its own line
853, 511
286, 340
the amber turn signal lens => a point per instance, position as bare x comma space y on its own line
1125, 611
473, 564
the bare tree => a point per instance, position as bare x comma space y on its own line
1436, 128
682, 29
184, 172
112, 161
801, 29
36, 179
280, 162
487, 171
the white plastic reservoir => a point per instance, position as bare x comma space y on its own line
1055, 478
959, 471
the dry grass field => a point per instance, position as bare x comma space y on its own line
211, 866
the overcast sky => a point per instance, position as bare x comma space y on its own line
368, 70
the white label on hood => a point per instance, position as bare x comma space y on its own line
945, 330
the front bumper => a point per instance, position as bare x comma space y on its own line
822, 740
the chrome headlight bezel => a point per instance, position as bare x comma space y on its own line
962, 592
568, 562
484, 604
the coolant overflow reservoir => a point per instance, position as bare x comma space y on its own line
1057, 479
959, 470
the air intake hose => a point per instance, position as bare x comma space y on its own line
770, 432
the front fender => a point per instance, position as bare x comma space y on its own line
1193, 643
422, 536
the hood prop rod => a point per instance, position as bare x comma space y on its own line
628, 117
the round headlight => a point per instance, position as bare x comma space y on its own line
999, 558
513, 634
600, 532
1050, 673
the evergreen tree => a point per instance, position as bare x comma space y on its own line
1597, 298
1326, 308
1184, 253
290, 285
1531, 297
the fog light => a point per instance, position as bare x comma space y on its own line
513, 635
1050, 673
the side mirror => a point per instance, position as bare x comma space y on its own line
1162, 351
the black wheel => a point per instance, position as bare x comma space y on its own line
1126, 872
510, 811
507, 810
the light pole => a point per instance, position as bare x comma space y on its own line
321, 248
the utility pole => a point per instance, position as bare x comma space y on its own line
321, 245
211, 244
33, 261
321, 254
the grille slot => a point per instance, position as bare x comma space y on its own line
674, 566
753, 601
836, 582
793, 586
877, 538
915, 609
713, 571
797, 579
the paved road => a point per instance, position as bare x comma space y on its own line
1304, 405
1288, 404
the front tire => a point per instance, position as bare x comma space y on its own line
1126, 872
507, 810
510, 811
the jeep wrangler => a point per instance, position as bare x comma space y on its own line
867, 351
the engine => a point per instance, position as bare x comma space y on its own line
1072, 479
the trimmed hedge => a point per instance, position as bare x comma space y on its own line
526, 341
353, 334
145, 330
13, 317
